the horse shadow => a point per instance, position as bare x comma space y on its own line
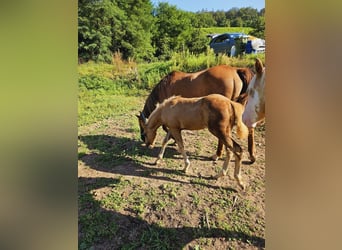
122, 156
135, 233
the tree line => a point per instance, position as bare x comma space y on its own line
140, 31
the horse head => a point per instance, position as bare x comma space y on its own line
255, 107
142, 122
147, 135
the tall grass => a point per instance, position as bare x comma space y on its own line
102, 87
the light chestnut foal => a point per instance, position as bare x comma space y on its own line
215, 112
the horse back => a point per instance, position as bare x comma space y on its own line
221, 79
184, 113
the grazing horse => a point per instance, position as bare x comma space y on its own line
222, 79
255, 108
215, 112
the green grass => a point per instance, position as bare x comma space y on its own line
106, 90
220, 30
94, 223
95, 106
109, 137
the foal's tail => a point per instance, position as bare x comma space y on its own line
242, 130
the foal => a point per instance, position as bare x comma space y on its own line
215, 112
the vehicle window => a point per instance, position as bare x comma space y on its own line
220, 39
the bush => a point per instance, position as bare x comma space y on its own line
94, 82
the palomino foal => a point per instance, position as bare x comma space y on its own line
255, 107
215, 112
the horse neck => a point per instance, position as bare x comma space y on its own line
151, 103
157, 95
154, 121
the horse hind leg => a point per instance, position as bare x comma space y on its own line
224, 170
238, 156
237, 150
219, 150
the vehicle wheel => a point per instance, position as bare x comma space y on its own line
232, 51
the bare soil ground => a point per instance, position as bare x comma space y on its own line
127, 202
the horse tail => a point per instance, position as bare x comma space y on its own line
246, 76
242, 130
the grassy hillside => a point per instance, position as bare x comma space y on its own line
220, 30
102, 86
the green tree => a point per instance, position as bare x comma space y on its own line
248, 16
95, 20
172, 29
221, 19
259, 27
106, 26
237, 22
206, 19
134, 39
232, 14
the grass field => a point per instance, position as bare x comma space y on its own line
220, 30
127, 202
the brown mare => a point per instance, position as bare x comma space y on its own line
255, 107
215, 112
222, 79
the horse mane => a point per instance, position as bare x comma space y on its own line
154, 97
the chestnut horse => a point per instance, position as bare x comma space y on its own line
255, 107
222, 79
215, 112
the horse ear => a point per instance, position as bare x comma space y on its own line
142, 116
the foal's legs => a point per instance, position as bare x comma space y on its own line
225, 165
251, 145
237, 150
238, 156
162, 150
179, 140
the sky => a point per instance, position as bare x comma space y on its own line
213, 5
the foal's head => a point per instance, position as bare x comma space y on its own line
148, 135
141, 120
255, 107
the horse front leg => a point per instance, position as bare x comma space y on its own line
167, 130
162, 150
251, 145
179, 140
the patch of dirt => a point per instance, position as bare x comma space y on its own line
194, 208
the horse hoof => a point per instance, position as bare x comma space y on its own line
214, 157
243, 186
221, 174
252, 159
186, 169
157, 162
